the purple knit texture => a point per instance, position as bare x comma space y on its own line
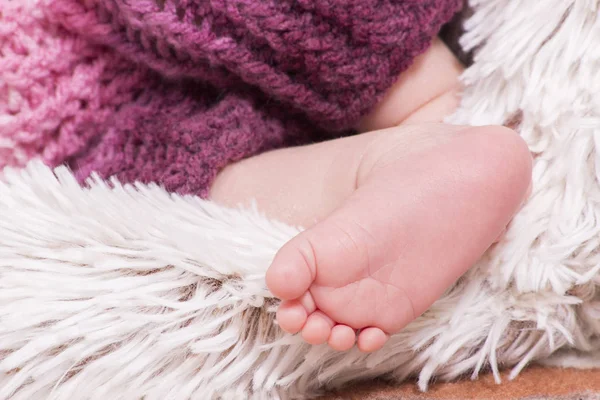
205, 83
171, 136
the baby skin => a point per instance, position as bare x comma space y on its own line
393, 216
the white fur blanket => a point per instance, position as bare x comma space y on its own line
130, 293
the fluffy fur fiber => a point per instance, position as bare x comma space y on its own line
116, 292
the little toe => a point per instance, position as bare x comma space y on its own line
342, 338
317, 328
371, 339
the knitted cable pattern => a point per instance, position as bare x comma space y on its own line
172, 91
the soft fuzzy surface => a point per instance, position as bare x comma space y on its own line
124, 293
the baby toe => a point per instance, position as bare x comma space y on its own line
293, 269
317, 328
291, 316
371, 339
342, 338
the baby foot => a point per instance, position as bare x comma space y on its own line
419, 217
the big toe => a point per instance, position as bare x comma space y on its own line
293, 269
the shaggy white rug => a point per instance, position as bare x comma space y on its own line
130, 293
